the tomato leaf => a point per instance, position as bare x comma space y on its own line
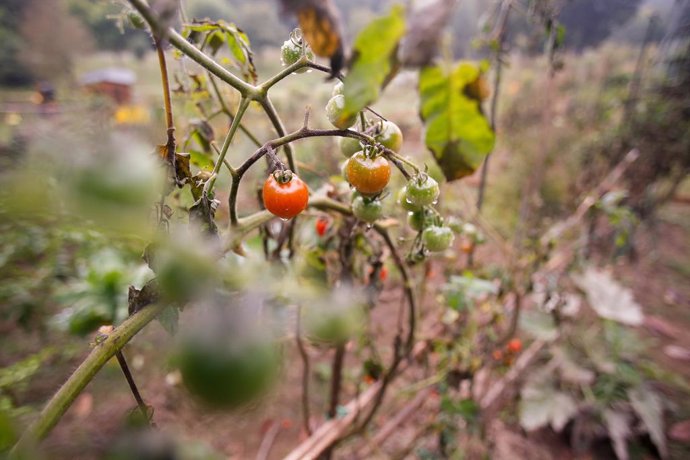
218, 33
457, 132
374, 61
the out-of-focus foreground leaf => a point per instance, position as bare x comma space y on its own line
374, 61
457, 132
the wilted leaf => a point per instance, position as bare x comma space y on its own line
321, 26
648, 406
374, 61
182, 169
609, 298
457, 133
570, 371
618, 426
203, 213
541, 404
425, 25
539, 325
202, 131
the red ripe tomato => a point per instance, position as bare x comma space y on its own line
369, 175
383, 273
514, 346
285, 195
321, 226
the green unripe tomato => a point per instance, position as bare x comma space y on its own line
437, 238
349, 146
338, 89
367, 209
406, 205
455, 224
415, 219
332, 326
422, 190
390, 136
229, 376
86, 320
334, 112
291, 52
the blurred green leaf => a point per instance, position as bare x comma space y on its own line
374, 61
8, 434
457, 133
22, 370
169, 319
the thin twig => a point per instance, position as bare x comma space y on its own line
306, 417
133, 386
267, 441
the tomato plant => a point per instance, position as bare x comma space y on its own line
324, 282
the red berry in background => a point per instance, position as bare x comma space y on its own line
383, 273
321, 226
285, 195
515, 346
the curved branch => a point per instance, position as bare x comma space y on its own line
101, 354
279, 127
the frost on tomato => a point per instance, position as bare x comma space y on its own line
437, 238
422, 190
285, 195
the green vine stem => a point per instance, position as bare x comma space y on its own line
65, 396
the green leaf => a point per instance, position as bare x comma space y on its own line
374, 61
221, 32
457, 133
169, 319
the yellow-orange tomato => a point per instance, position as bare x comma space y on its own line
285, 195
366, 174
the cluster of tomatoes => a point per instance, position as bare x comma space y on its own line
368, 171
509, 352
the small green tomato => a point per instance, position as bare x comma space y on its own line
291, 52
366, 209
390, 136
422, 190
334, 112
349, 146
437, 238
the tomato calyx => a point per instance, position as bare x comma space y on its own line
282, 176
